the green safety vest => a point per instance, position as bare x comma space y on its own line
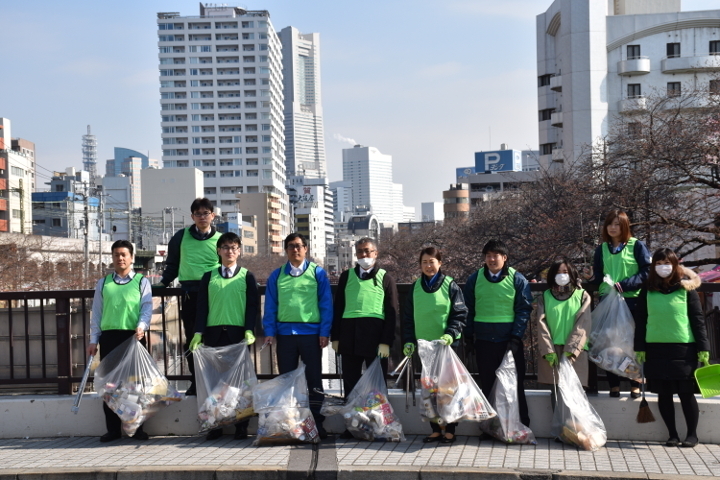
298, 296
197, 256
431, 310
495, 302
668, 320
560, 314
226, 299
121, 304
364, 298
619, 266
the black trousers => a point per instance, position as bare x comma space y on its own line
352, 369
222, 336
489, 357
109, 341
188, 314
291, 348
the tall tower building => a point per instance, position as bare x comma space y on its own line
222, 101
89, 150
304, 134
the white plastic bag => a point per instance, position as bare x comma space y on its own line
283, 410
506, 426
130, 383
575, 421
449, 393
225, 379
612, 336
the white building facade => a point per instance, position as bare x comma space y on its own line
17, 181
222, 101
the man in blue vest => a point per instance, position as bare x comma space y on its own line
298, 317
191, 253
122, 308
499, 306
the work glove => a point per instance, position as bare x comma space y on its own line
195, 342
335, 345
249, 337
640, 357
552, 359
383, 350
409, 349
704, 357
446, 339
158, 285
515, 345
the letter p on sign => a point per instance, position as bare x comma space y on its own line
491, 161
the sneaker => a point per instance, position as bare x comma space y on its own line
110, 436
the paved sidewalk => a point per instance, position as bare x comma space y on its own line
193, 456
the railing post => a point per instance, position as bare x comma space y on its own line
62, 321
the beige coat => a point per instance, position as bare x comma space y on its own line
574, 343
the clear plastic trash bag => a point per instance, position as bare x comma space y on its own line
367, 413
506, 426
612, 336
283, 410
131, 385
575, 421
449, 394
225, 379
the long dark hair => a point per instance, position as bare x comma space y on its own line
655, 282
572, 271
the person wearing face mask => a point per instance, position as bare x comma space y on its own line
564, 320
670, 340
435, 310
365, 315
627, 261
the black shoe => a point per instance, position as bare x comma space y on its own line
615, 393
445, 439
214, 434
690, 442
322, 433
241, 433
190, 392
346, 435
485, 436
430, 439
635, 393
672, 442
110, 436
140, 435
558, 440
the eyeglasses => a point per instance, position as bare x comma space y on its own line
202, 215
228, 248
365, 251
295, 246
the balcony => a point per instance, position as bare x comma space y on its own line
557, 155
276, 238
275, 205
634, 66
3, 205
556, 83
274, 226
556, 119
700, 63
276, 249
632, 105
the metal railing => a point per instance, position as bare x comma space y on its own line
43, 338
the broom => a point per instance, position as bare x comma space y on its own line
644, 415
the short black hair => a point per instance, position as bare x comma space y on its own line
430, 252
122, 244
365, 240
293, 236
229, 237
553, 270
496, 246
199, 203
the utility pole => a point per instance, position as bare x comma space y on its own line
172, 219
164, 234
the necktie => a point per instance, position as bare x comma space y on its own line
227, 272
364, 275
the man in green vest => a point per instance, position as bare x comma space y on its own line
499, 305
298, 315
365, 315
228, 303
192, 251
122, 308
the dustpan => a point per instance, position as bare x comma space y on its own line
708, 379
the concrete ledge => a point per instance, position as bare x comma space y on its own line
381, 472
581, 475
440, 473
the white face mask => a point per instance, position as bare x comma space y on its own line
562, 279
366, 262
663, 271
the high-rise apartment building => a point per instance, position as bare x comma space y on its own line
17, 181
222, 102
304, 134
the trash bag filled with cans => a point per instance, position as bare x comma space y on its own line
282, 406
131, 385
449, 393
225, 379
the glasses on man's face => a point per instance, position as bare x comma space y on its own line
228, 248
295, 246
365, 251
202, 214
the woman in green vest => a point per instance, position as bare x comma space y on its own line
670, 340
627, 261
434, 310
564, 320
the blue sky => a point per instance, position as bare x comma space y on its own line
427, 82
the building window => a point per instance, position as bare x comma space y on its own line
633, 90
715, 87
544, 80
633, 52
714, 47
673, 89
16, 213
18, 172
56, 222
545, 114
249, 249
546, 148
673, 50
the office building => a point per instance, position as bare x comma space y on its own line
267, 208
27, 148
457, 201
342, 200
117, 192
17, 182
221, 98
431, 212
598, 60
